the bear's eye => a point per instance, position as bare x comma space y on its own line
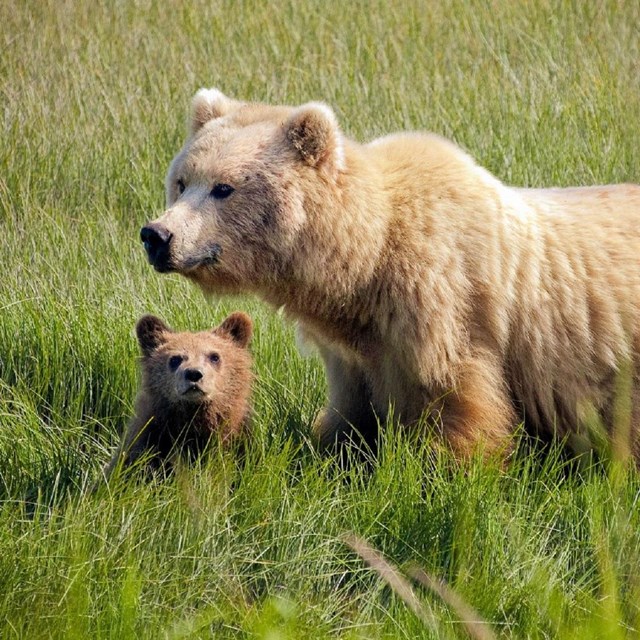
214, 357
174, 362
221, 191
181, 186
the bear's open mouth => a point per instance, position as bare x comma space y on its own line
209, 256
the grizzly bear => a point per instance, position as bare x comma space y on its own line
194, 386
434, 293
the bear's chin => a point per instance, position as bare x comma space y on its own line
215, 282
192, 394
207, 257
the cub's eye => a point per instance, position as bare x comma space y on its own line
221, 191
174, 362
214, 357
181, 186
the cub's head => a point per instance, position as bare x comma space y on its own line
240, 191
208, 366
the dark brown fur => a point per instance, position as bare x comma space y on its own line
195, 386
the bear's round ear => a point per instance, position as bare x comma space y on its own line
208, 104
238, 326
151, 332
313, 131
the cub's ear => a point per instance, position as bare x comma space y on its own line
209, 104
239, 327
151, 332
313, 131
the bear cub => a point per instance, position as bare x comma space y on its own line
195, 386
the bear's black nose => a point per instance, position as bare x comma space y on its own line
157, 241
193, 375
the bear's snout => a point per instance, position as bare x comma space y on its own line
190, 385
157, 240
193, 375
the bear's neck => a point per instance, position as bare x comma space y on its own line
332, 282
201, 419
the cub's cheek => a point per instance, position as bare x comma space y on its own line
209, 385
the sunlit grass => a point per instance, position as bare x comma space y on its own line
94, 100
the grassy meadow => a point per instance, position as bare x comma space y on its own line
94, 100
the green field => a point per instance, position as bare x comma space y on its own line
94, 101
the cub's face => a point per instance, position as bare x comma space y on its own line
194, 367
237, 190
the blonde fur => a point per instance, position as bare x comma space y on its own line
426, 283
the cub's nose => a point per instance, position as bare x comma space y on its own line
193, 375
157, 243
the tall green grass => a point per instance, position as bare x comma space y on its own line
94, 99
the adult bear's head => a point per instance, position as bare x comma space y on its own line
241, 191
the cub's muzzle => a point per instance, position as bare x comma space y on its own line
190, 386
157, 243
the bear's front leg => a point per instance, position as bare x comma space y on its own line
478, 415
349, 416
